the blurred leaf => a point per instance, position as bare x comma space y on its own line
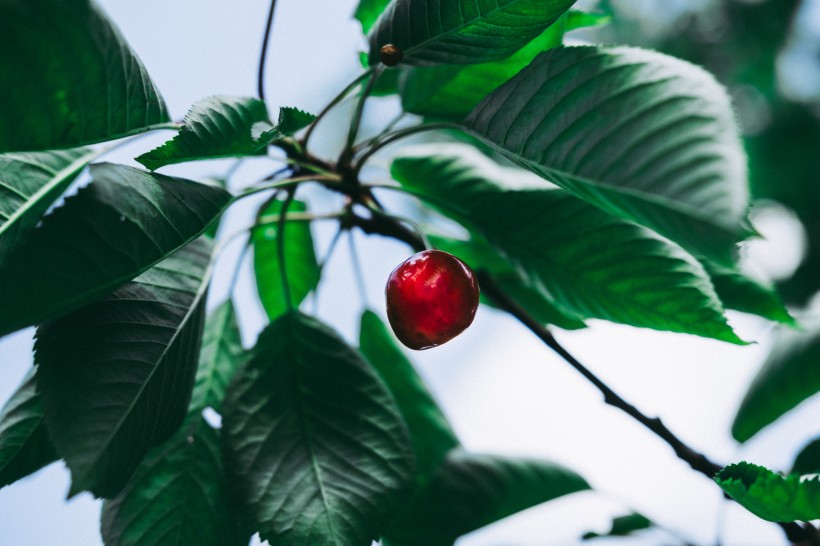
29, 184
430, 432
470, 490
656, 143
215, 127
482, 256
116, 376
300, 258
308, 416
461, 31
368, 11
576, 19
808, 460
622, 526
743, 293
452, 91
24, 443
789, 375
589, 262
388, 81
769, 495
124, 222
179, 490
69, 78
222, 354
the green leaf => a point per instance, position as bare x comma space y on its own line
789, 375
179, 490
215, 127
641, 135
308, 416
769, 495
622, 526
430, 432
116, 376
368, 11
452, 91
585, 260
29, 184
292, 120
743, 293
222, 354
808, 460
24, 443
482, 256
471, 490
124, 222
69, 78
431, 32
300, 258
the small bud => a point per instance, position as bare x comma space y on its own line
390, 55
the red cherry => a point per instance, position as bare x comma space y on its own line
431, 298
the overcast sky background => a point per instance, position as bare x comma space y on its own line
503, 390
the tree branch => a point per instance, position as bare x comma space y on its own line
800, 535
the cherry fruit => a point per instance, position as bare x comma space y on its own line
431, 298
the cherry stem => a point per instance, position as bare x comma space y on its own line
395, 136
357, 268
260, 79
336, 100
347, 152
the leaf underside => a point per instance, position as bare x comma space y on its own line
307, 415
641, 135
116, 376
95, 87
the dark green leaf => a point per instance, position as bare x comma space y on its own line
214, 127
622, 526
69, 78
743, 293
470, 491
29, 184
116, 376
300, 258
179, 493
308, 416
480, 255
452, 91
431, 32
368, 11
111, 231
430, 433
222, 354
292, 120
24, 443
769, 495
641, 135
789, 375
587, 261
808, 460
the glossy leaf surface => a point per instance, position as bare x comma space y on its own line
743, 293
24, 443
215, 127
431, 32
641, 135
300, 258
29, 184
430, 432
116, 376
471, 490
789, 375
124, 222
178, 495
94, 88
589, 262
772, 496
308, 415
